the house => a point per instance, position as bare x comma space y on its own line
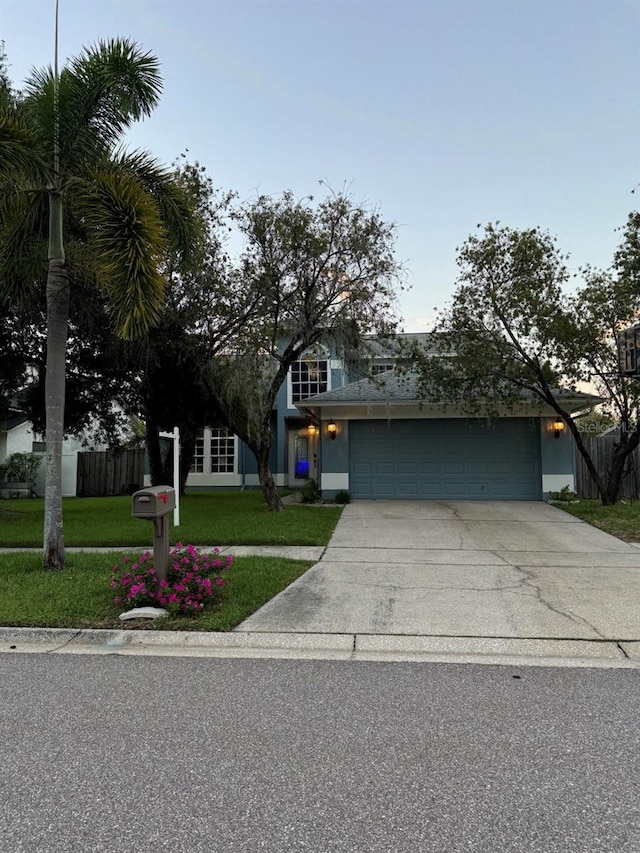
357, 425
223, 461
17, 435
371, 435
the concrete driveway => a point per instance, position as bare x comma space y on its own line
464, 569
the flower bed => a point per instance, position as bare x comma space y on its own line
193, 578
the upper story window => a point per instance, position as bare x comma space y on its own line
377, 369
308, 378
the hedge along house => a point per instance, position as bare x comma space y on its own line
379, 441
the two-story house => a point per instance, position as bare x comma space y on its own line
360, 427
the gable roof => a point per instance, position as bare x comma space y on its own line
401, 388
376, 346
386, 387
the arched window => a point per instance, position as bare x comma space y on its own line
310, 375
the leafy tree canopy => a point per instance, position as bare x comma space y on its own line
514, 327
310, 273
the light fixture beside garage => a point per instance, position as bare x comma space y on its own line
332, 430
559, 427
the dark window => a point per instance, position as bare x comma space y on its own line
309, 378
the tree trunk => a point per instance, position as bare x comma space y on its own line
267, 483
187, 451
609, 485
57, 325
621, 452
582, 450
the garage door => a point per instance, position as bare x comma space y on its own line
445, 459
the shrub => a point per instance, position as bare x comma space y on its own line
565, 494
192, 578
342, 497
310, 493
21, 468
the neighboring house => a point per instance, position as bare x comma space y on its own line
361, 428
18, 436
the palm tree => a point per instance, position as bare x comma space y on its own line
69, 193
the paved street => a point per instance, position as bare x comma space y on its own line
139, 754
357, 740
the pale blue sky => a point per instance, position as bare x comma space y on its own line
443, 113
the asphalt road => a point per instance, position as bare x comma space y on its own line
137, 754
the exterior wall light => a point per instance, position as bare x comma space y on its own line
332, 430
312, 429
558, 427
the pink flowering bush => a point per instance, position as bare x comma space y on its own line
192, 579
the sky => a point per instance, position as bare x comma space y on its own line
442, 114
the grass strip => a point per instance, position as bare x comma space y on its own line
80, 595
621, 519
206, 518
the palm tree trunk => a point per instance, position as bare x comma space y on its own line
57, 324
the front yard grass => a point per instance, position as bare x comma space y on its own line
621, 520
206, 518
80, 595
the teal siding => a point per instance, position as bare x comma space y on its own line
472, 459
557, 453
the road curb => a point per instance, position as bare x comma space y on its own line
352, 647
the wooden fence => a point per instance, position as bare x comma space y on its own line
601, 452
109, 472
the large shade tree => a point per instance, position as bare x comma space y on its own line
206, 305
516, 328
98, 379
100, 215
315, 274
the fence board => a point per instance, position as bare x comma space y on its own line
601, 452
109, 472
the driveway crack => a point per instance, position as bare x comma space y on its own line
528, 582
619, 645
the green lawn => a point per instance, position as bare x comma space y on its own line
621, 520
206, 518
80, 595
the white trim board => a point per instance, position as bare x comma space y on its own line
556, 482
334, 482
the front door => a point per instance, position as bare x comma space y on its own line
302, 457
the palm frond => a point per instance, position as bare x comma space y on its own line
100, 94
108, 87
126, 232
176, 209
19, 149
129, 75
23, 243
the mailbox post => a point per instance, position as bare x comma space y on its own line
155, 504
